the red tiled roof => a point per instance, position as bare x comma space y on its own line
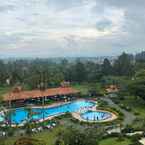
112, 88
37, 93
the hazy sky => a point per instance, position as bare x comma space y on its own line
55, 28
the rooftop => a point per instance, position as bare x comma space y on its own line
23, 95
112, 89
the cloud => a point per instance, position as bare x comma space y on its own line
71, 27
103, 25
6, 8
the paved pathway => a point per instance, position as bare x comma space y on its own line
129, 117
142, 141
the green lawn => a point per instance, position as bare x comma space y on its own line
137, 106
115, 141
85, 87
47, 136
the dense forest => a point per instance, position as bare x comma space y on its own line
30, 73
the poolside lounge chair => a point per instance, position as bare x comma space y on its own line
34, 130
3, 133
39, 128
48, 126
53, 124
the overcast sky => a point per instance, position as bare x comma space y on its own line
56, 28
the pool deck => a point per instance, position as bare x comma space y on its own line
51, 105
142, 141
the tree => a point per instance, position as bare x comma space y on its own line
8, 115
106, 67
140, 57
123, 66
3, 74
93, 71
137, 85
42, 86
72, 136
80, 72
28, 125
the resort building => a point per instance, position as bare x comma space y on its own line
20, 97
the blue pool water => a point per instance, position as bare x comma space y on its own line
1, 118
21, 114
96, 115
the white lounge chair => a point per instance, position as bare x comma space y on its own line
39, 128
53, 124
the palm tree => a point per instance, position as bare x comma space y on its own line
2, 121
9, 112
42, 87
29, 113
28, 124
8, 116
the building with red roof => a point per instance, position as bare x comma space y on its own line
20, 95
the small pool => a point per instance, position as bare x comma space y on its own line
20, 115
96, 115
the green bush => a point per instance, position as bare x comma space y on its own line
128, 129
28, 141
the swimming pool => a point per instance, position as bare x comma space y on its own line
1, 118
20, 115
96, 115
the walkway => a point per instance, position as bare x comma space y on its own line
142, 141
129, 117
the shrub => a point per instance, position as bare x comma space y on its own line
128, 129
135, 140
28, 141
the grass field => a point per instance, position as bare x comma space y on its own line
46, 136
115, 141
85, 87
